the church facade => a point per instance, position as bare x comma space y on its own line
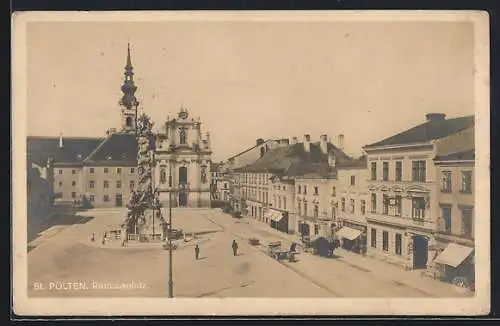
102, 171
183, 156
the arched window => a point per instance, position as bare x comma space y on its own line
128, 121
163, 176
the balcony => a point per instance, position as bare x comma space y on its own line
427, 224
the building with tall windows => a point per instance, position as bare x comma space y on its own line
403, 191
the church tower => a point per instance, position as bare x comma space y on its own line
128, 101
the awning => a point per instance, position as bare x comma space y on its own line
348, 233
269, 214
453, 255
277, 216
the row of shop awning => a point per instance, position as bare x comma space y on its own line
453, 255
273, 215
348, 233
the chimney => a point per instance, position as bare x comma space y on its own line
331, 160
307, 143
323, 144
294, 141
60, 140
260, 141
435, 116
340, 141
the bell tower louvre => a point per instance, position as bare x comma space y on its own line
128, 101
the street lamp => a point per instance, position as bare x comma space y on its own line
169, 237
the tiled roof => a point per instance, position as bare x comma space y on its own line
295, 161
74, 150
119, 148
428, 131
459, 156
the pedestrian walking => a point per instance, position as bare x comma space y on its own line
235, 248
93, 237
197, 251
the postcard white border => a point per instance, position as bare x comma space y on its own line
478, 305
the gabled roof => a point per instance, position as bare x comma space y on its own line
117, 148
468, 155
430, 130
74, 150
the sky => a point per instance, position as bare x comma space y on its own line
250, 80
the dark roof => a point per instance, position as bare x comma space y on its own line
468, 155
360, 162
74, 150
293, 160
249, 149
120, 148
428, 131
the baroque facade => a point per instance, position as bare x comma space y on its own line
183, 157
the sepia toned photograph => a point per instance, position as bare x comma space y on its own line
251, 163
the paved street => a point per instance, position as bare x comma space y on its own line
64, 262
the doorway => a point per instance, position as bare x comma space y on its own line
118, 200
420, 251
183, 196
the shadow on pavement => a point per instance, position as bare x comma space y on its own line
35, 227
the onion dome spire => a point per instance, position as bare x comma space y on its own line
128, 88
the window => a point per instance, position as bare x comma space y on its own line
132, 170
305, 209
353, 180
385, 171
60, 171
399, 171
73, 183
398, 244
225, 185
73, 195
105, 198
91, 170
284, 188
284, 203
106, 170
118, 170
91, 198
73, 171
118, 184
399, 205
278, 187
385, 204
106, 184
385, 241
418, 171
446, 183
466, 182
300, 211
374, 171
316, 191
316, 210
342, 204
373, 238
467, 222
353, 206
363, 207
446, 227
91, 184
305, 190
60, 183
374, 203
334, 191
418, 208
132, 184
